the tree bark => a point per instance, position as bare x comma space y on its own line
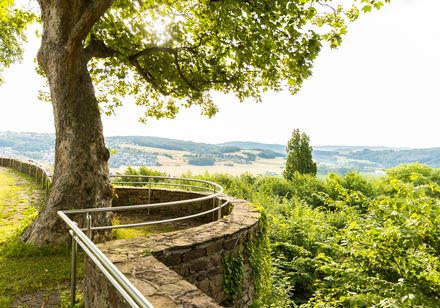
81, 176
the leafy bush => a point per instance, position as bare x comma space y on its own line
364, 248
348, 241
144, 171
240, 186
274, 186
308, 188
354, 182
415, 173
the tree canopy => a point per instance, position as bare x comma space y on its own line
13, 21
169, 54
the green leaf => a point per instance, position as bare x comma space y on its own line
366, 8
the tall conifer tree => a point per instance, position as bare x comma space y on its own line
299, 155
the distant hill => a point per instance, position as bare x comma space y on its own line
31, 145
152, 151
390, 158
247, 145
352, 148
164, 143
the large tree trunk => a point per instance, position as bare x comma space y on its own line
81, 177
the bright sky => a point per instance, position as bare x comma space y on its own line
379, 88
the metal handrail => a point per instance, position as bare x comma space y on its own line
146, 223
116, 278
140, 206
165, 178
127, 290
163, 184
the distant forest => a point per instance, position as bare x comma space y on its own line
337, 159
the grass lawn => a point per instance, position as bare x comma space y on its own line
40, 277
28, 275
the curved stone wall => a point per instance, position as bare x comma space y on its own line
176, 269
30, 168
182, 268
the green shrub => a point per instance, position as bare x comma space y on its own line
274, 186
346, 241
308, 188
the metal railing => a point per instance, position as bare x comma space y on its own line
210, 190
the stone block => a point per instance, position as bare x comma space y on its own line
231, 243
214, 247
161, 301
194, 254
216, 260
182, 269
200, 276
199, 265
215, 270
173, 259
204, 286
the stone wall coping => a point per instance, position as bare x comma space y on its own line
136, 257
242, 216
162, 286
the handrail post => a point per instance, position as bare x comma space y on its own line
89, 225
219, 212
213, 206
149, 194
47, 188
73, 271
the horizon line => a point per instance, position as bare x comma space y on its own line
248, 141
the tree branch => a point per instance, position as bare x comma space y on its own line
326, 5
150, 50
148, 76
179, 71
88, 18
245, 1
174, 52
98, 49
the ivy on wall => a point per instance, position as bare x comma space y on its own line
233, 277
258, 256
260, 260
